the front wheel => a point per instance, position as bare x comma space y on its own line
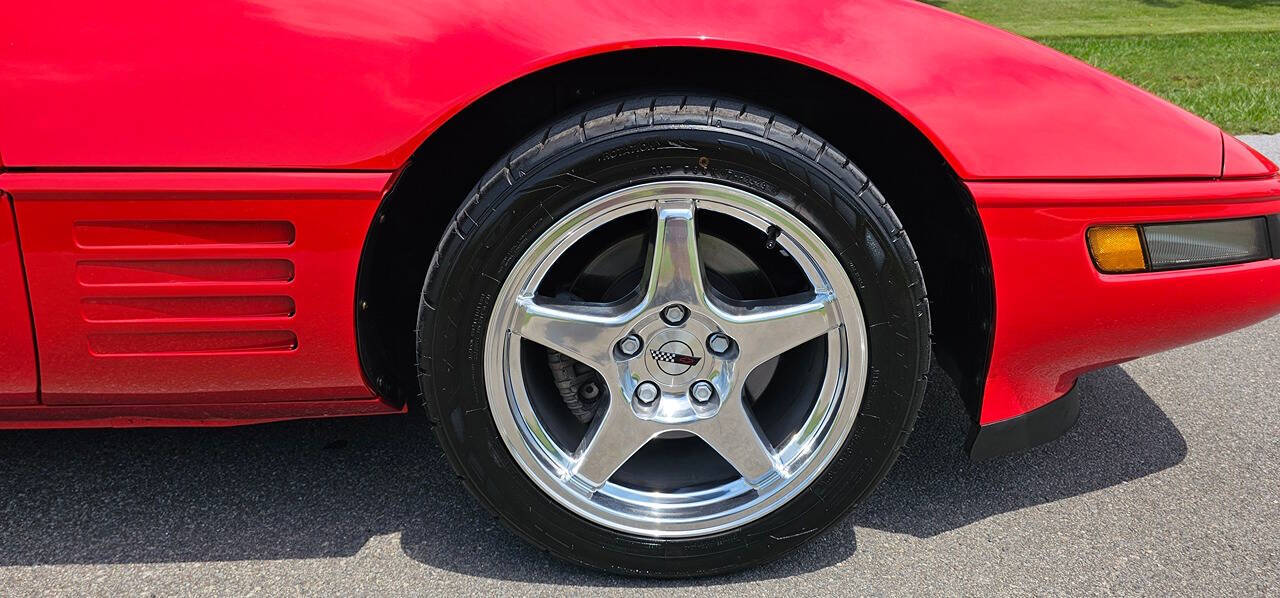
673, 336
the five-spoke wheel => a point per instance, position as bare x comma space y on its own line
675, 355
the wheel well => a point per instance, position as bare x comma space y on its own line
935, 208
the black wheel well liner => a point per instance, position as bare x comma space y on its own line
935, 208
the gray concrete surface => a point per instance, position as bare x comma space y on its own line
1170, 484
1267, 144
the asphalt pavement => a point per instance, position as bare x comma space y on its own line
1169, 484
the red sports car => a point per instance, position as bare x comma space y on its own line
665, 277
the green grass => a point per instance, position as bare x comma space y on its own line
1217, 58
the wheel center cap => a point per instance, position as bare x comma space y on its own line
674, 357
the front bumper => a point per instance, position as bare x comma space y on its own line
1057, 317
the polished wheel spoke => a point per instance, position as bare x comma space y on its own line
675, 270
735, 434
768, 329
612, 438
585, 332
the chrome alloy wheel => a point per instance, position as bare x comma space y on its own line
675, 356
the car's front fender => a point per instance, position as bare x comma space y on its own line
335, 84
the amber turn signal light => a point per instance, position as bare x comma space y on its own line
1117, 249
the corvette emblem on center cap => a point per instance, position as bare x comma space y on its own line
674, 357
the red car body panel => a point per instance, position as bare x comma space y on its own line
1242, 161
176, 280
153, 288
337, 84
1057, 317
17, 348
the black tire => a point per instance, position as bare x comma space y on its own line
647, 139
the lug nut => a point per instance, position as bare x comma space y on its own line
719, 343
647, 393
674, 314
701, 391
630, 345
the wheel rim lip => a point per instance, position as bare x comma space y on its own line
708, 510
